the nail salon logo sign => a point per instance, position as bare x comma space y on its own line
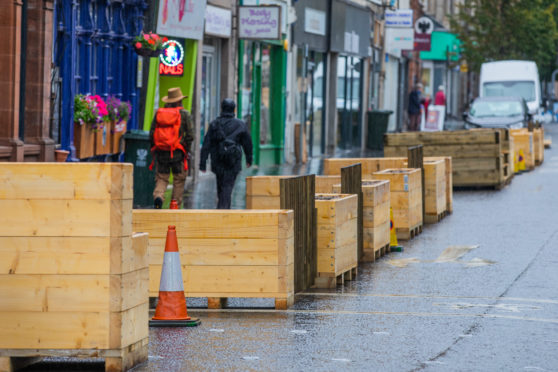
172, 59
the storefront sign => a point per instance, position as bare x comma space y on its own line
422, 42
399, 18
181, 18
172, 59
423, 31
259, 22
315, 21
218, 21
435, 120
398, 39
280, 3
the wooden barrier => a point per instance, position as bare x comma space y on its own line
225, 253
298, 194
538, 143
324, 184
351, 183
263, 192
337, 239
332, 166
448, 176
406, 200
73, 278
477, 155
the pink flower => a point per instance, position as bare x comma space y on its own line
155, 37
146, 36
138, 45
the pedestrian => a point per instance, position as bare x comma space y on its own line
440, 98
171, 137
224, 141
414, 107
427, 102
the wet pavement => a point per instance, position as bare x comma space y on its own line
476, 292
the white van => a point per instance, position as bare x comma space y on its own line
512, 78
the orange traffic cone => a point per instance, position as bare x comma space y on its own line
171, 309
173, 204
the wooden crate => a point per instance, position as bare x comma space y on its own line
405, 200
449, 179
324, 184
73, 278
435, 190
333, 166
376, 203
337, 238
538, 143
477, 155
523, 140
225, 253
263, 192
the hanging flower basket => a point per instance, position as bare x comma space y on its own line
149, 44
144, 52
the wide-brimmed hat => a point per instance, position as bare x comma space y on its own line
173, 95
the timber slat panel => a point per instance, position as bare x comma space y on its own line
351, 183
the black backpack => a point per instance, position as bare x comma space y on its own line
229, 152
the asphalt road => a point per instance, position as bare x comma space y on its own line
476, 292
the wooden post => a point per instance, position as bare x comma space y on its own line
416, 160
351, 183
298, 194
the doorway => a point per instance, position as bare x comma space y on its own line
349, 99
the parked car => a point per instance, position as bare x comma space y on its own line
497, 112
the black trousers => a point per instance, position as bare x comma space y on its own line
225, 185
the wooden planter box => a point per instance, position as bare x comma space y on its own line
263, 192
84, 141
103, 144
325, 184
117, 131
225, 253
337, 238
449, 180
538, 143
73, 278
477, 155
405, 199
523, 140
435, 190
332, 167
376, 204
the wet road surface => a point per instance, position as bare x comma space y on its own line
476, 292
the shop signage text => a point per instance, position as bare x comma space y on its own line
218, 21
423, 34
182, 18
314, 21
399, 18
259, 22
171, 61
398, 39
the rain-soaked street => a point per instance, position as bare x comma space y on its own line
476, 292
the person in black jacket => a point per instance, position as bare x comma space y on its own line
415, 100
226, 126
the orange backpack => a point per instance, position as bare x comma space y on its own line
166, 136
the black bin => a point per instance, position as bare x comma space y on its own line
137, 151
377, 127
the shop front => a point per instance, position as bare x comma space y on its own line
93, 54
262, 71
350, 43
310, 37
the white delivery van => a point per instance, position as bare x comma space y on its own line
512, 78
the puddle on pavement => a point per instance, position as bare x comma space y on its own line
513, 308
451, 254
455, 252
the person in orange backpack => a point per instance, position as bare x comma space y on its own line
171, 137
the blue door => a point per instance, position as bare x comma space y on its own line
93, 54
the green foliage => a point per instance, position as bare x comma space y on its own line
82, 110
508, 29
